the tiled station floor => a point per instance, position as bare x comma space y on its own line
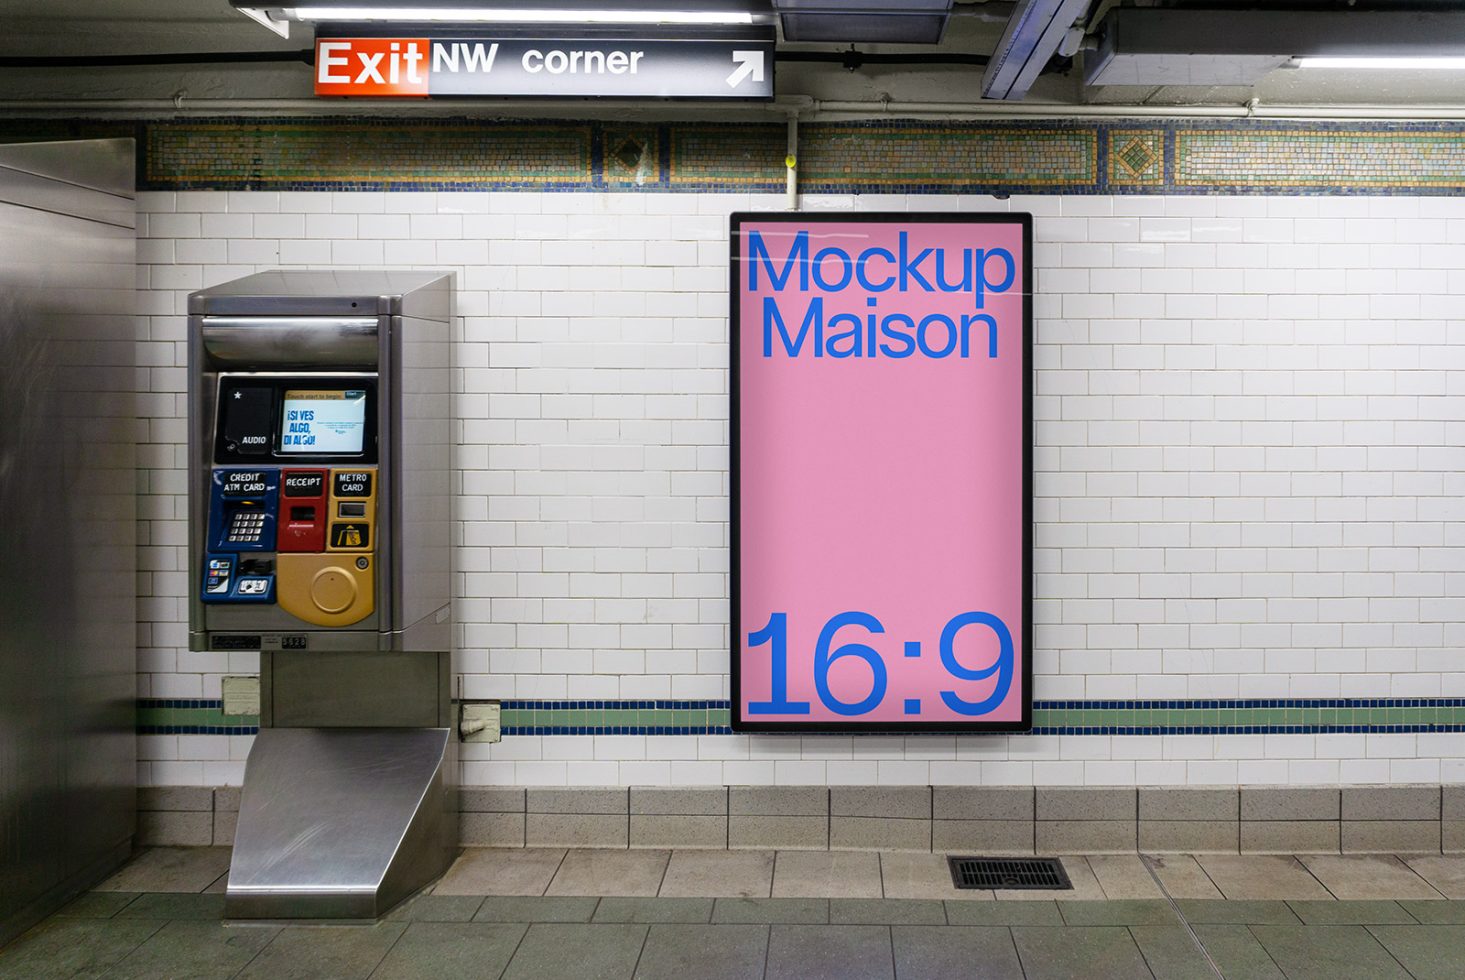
541, 914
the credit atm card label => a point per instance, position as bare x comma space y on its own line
353, 484
244, 481
305, 484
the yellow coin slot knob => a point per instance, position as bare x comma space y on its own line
333, 590
326, 589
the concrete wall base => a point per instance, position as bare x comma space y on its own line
987, 819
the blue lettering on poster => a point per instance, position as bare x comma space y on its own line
825, 328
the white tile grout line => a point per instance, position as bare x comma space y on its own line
1174, 907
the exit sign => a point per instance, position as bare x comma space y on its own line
541, 67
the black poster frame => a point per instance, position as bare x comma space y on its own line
741, 724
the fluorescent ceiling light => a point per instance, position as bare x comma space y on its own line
519, 15
1397, 63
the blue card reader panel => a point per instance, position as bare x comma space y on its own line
243, 504
243, 510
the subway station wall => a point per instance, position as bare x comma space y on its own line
1249, 421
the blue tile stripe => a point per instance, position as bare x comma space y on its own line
199, 722
1174, 705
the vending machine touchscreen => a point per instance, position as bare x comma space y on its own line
319, 516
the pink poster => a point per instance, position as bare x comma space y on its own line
881, 471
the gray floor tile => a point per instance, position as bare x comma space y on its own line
1427, 952
718, 874
907, 874
170, 869
313, 952
197, 950
1183, 877
1328, 952
437, 950
551, 951
955, 953
535, 908
175, 905
1090, 953
1123, 876
1003, 914
601, 872
827, 874
805, 911
1436, 913
1137, 912
501, 871
1249, 876
694, 910
1237, 952
1446, 872
725, 952
1351, 913
97, 905
1253, 912
1080, 875
886, 912
73, 947
830, 953
1367, 876
1170, 953
436, 908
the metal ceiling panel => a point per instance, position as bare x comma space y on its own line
1033, 34
1146, 46
870, 21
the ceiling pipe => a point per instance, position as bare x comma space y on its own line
791, 162
304, 56
851, 59
971, 110
808, 109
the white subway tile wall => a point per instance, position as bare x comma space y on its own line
1249, 472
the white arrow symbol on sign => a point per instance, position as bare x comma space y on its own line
749, 63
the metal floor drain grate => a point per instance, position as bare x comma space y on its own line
1035, 873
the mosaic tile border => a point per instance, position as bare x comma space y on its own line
1314, 716
1122, 156
361, 154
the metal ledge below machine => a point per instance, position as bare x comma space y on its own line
341, 823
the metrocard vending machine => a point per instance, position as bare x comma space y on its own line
320, 536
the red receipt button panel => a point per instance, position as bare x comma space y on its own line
302, 523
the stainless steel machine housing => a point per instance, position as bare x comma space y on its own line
388, 325
349, 801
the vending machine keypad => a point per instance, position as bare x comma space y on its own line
246, 527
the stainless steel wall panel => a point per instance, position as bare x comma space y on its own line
68, 762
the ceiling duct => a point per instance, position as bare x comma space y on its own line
870, 21
1034, 32
1147, 46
